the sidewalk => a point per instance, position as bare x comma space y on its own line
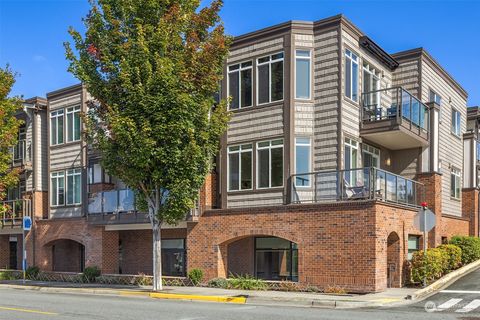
391, 297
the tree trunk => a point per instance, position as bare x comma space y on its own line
157, 257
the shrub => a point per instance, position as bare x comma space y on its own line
195, 276
218, 283
246, 282
143, 280
90, 274
470, 248
7, 275
32, 272
433, 265
335, 290
454, 256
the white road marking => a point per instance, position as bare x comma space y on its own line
447, 305
469, 307
460, 291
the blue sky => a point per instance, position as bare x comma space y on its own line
32, 33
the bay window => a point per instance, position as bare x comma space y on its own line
240, 85
302, 74
56, 127
270, 78
270, 164
302, 161
240, 167
73, 124
351, 75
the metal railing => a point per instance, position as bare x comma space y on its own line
395, 103
355, 184
13, 211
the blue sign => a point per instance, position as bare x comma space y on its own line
27, 223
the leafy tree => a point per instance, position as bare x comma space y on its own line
153, 67
9, 126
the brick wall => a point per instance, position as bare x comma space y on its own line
470, 209
208, 192
67, 256
433, 196
4, 251
241, 257
454, 226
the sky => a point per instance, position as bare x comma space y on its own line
32, 33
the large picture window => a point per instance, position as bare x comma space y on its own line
173, 257
302, 161
57, 188
302, 74
270, 78
73, 124
56, 127
351, 75
270, 164
240, 85
240, 167
74, 186
276, 259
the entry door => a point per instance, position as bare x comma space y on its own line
13, 255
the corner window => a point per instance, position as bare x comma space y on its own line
413, 245
302, 74
456, 122
240, 167
270, 78
455, 183
57, 181
302, 161
270, 164
240, 85
74, 186
351, 75
56, 127
73, 124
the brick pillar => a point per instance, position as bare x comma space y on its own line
223, 261
433, 196
470, 208
110, 255
4, 251
208, 192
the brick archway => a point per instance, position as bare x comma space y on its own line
394, 261
66, 255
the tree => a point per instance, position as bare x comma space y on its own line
9, 126
153, 67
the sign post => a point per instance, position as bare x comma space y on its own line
27, 226
424, 220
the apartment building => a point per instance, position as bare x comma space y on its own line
332, 146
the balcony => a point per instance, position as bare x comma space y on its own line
13, 211
395, 119
119, 207
354, 185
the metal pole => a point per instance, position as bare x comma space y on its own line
24, 255
425, 245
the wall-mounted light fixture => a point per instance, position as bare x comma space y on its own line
388, 162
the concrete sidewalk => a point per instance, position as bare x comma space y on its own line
391, 297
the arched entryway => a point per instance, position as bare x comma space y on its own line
263, 257
393, 261
67, 255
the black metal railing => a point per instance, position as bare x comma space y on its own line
395, 103
355, 184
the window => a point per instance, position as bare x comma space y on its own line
456, 121
350, 160
351, 75
58, 188
240, 85
240, 167
173, 257
276, 259
435, 97
270, 164
371, 85
16, 192
302, 161
73, 124
19, 151
371, 156
302, 74
270, 78
74, 186
413, 245
96, 174
56, 127
455, 183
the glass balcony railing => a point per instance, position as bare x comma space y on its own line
395, 103
356, 184
113, 201
13, 211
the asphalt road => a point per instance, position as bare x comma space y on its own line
460, 301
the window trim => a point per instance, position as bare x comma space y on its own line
454, 174
367, 148
269, 62
239, 166
356, 61
309, 145
239, 70
459, 134
270, 147
417, 240
55, 114
309, 59
58, 174
68, 173
72, 110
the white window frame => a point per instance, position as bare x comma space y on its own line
351, 58
58, 175
374, 73
410, 251
309, 145
270, 62
55, 115
371, 150
242, 149
72, 111
456, 175
72, 173
309, 59
269, 147
240, 68
456, 126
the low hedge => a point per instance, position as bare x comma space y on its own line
454, 256
470, 248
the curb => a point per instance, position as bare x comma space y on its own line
444, 281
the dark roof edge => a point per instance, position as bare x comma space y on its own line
421, 52
369, 45
36, 99
64, 91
